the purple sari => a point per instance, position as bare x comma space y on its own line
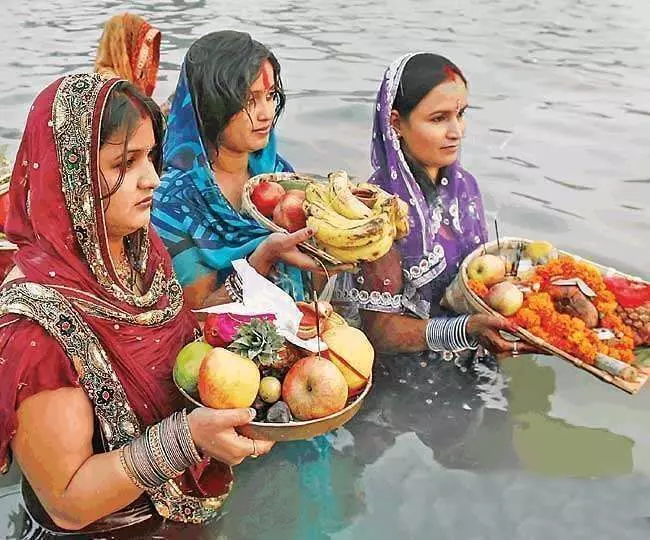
443, 230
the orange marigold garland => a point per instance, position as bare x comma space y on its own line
538, 314
478, 288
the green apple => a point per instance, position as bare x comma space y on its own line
188, 363
488, 269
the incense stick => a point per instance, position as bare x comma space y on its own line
317, 320
496, 229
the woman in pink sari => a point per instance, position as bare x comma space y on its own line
91, 320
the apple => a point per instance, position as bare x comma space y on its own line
228, 380
505, 297
188, 363
313, 388
288, 212
351, 352
488, 269
266, 196
270, 389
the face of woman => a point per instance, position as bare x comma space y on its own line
249, 129
129, 208
433, 131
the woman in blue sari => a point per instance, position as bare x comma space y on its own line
220, 133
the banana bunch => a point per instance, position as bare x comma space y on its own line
354, 223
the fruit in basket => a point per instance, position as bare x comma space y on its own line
488, 269
569, 299
351, 352
333, 321
188, 363
260, 342
540, 252
347, 227
308, 328
505, 297
266, 196
220, 329
228, 380
313, 388
270, 389
343, 200
288, 212
633, 298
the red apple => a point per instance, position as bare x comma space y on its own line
505, 297
266, 196
289, 213
313, 388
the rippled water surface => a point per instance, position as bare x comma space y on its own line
558, 138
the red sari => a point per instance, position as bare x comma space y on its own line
57, 222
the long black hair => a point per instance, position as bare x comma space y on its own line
422, 73
220, 68
123, 112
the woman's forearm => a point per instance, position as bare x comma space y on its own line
399, 333
391, 332
99, 487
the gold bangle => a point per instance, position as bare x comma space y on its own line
128, 470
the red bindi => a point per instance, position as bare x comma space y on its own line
266, 79
451, 73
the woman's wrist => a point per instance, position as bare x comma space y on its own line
162, 453
259, 261
449, 334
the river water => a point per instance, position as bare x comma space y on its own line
558, 137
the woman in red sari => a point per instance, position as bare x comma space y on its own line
130, 49
91, 320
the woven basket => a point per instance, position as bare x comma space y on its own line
462, 298
287, 181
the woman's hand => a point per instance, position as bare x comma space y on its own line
213, 431
284, 247
486, 329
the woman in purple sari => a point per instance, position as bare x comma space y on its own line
418, 126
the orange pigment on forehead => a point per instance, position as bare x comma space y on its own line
451, 74
267, 79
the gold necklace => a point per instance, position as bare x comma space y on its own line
125, 272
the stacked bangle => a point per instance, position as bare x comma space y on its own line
164, 451
449, 334
234, 287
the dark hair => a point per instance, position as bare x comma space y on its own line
124, 110
422, 73
220, 68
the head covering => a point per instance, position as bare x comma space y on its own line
443, 231
57, 220
201, 229
130, 49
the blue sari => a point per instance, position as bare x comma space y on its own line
201, 230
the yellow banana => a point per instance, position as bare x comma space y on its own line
368, 253
402, 223
343, 200
366, 232
317, 193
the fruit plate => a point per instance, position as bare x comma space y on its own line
295, 430
475, 304
288, 181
